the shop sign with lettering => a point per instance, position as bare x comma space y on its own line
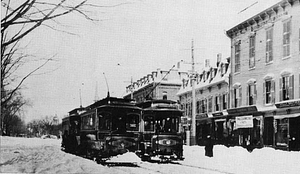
244, 121
288, 104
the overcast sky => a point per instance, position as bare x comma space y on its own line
131, 40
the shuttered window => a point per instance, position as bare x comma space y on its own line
286, 91
269, 92
237, 63
251, 94
269, 45
286, 38
210, 104
217, 103
225, 101
252, 51
237, 97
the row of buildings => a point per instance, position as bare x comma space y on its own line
250, 98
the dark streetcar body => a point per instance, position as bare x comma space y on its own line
161, 135
108, 127
71, 127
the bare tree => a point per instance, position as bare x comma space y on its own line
18, 20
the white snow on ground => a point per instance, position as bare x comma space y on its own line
35, 155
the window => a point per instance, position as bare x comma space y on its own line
251, 94
132, 122
286, 38
217, 103
198, 107
286, 84
189, 108
105, 121
186, 109
237, 63
149, 123
168, 123
252, 51
269, 45
282, 132
88, 121
165, 95
203, 106
225, 101
237, 97
269, 91
210, 104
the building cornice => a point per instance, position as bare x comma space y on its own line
255, 21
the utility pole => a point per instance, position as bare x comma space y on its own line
131, 89
193, 127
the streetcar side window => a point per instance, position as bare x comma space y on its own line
105, 121
88, 121
149, 123
132, 122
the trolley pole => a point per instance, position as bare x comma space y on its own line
193, 127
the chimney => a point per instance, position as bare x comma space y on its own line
219, 58
207, 63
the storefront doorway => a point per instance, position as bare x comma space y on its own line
294, 140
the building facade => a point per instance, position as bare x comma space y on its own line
265, 71
212, 97
160, 84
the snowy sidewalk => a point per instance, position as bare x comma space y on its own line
35, 155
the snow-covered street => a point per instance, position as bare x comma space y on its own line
35, 155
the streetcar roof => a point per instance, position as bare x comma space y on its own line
150, 103
112, 101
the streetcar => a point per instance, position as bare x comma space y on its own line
71, 130
162, 138
108, 127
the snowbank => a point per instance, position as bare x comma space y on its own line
36, 155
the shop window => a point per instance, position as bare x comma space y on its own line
269, 91
257, 124
252, 51
269, 45
251, 94
237, 51
286, 84
282, 132
286, 38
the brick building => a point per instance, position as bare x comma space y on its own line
160, 84
265, 65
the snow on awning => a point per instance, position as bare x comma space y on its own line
287, 116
